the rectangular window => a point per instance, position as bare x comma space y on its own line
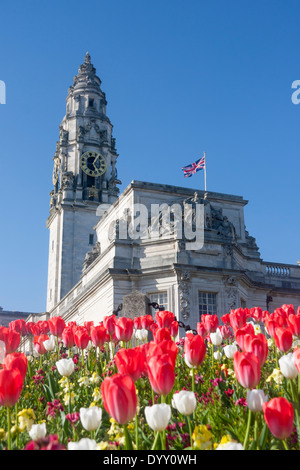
91, 239
161, 298
91, 103
207, 303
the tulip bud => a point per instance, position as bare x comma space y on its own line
38, 431
185, 402
65, 367
158, 416
255, 400
91, 417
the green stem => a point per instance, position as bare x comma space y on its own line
190, 429
8, 429
128, 441
193, 379
163, 439
248, 429
285, 444
136, 432
155, 440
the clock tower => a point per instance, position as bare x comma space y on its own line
84, 176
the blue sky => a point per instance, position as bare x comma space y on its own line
181, 77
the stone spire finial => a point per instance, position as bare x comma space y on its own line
87, 59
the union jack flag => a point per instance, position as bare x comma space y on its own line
191, 169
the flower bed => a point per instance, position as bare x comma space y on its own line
233, 384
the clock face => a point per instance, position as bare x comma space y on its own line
93, 163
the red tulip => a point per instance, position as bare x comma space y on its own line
226, 331
161, 333
137, 323
238, 318
146, 321
88, 325
98, 335
161, 373
19, 326
16, 360
270, 325
210, 322
246, 329
119, 397
294, 324
283, 338
279, 416
226, 319
174, 328
297, 358
258, 345
157, 349
289, 309
130, 362
12, 341
38, 342
194, 349
164, 318
109, 323
201, 330
81, 337
32, 329
67, 337
3, 333
11, 384
43, 327
256, 313
247, 369
57, 325
124, 329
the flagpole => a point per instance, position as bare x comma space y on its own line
205, 171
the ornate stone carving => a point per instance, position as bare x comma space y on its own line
184, 288
91, 256
67, 179
231, 293
63, 136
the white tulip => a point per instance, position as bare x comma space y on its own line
38, 431
158, 416
217, 355
255, 400
216, 337
230, 446
84, 444
287, 366
49, 344
90, 417
229, 350
141, 335
185, 402
65, 367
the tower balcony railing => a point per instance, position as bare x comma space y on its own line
282, 270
